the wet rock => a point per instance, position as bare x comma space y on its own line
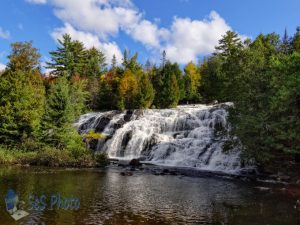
93, 144
102, 123
128, 115
126, 173
125, 141
298, 182
263, 188
135, 163
166, 171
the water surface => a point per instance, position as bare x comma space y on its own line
106, 197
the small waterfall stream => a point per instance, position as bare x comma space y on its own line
184, 136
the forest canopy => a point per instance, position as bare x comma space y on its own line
261, 77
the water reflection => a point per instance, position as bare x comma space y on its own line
108, 198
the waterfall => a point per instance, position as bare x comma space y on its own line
185, 136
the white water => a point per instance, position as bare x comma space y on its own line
183, 136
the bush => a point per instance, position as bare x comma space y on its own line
101, 159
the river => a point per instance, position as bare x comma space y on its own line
106, 197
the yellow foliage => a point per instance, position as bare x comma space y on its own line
91, 135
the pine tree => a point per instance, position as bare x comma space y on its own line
22, 95
296, 41
285, 43
229, 45
114, 62
57, 129
167, 91
69, 59
145, 95
95, 63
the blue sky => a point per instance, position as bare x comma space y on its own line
186, 29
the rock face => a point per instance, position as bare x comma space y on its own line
186, 136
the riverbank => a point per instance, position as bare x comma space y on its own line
51, 157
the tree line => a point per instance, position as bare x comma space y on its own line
261, 77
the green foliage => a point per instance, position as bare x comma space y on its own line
101, 159
69, 58
262, 79
94, 63
167, 90
22, 95
145, 95
57, 129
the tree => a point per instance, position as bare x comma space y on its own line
192, 83
69, 58
296, 41
23, 57
145, 95
108, 97
114, 62
167, 92
57, 129
95, 63
229, 45
128, 89
22, 95
285, 47
79, 95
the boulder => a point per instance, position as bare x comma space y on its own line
135, 163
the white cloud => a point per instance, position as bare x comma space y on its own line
191, 38
4, 34
102, 17
2, 67
89, 40
37, 1
98, 22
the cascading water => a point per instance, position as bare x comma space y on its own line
184, 136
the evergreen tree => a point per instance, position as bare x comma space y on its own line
167, 92
95, 63
57, 126
69, 59
229, 45
114, 62
285, 43
145, 95
296, 41
22, 95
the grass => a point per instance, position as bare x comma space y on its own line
48, 156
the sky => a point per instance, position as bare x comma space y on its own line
186, 29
